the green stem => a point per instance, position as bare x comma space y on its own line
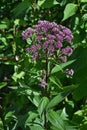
45, 120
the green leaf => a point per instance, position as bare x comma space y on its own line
33, 96
36, 127
70, 10
3, 39
3, 26
9, 116
31, 116
35, 100
1, 125
84, 17
55, 120
42, 106
2, 84
61, 66
56, 81
57, 99
47, 3
21, 7
80, 68
18, 75
83, 0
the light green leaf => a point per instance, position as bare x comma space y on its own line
47, 3
84, 17
56, 81
33, 96
42, 106
1, 125
70, 10
9, 115
18, 75
31, 116
2, 84
3, 26
57, 99
35, 100
36, 127
55, 120
3, 39
83, 0
61, 66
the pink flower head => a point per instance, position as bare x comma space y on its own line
49, 37
70, 72
67, 51
43, 84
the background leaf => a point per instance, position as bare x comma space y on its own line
57, 99
61, 66
42, 106
2, 84
21, 7
55, 120
47, 3
70, 10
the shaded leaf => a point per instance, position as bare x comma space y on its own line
1, 125
57, 99
22, 7
47, 3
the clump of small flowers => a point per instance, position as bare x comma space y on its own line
70, 72
49, 38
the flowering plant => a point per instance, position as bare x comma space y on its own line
50, 38
49, 44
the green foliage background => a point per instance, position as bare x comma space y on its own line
19, 93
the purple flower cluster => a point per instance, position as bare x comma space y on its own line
67, 51
43, 83
27, 33
50, 37
70, 72
34, 50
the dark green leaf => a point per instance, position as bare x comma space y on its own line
22, 7
47, 3
57, 99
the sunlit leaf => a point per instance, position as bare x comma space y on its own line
83, 0
2, 84
55, 120
61, 66
70, 10
42, 106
